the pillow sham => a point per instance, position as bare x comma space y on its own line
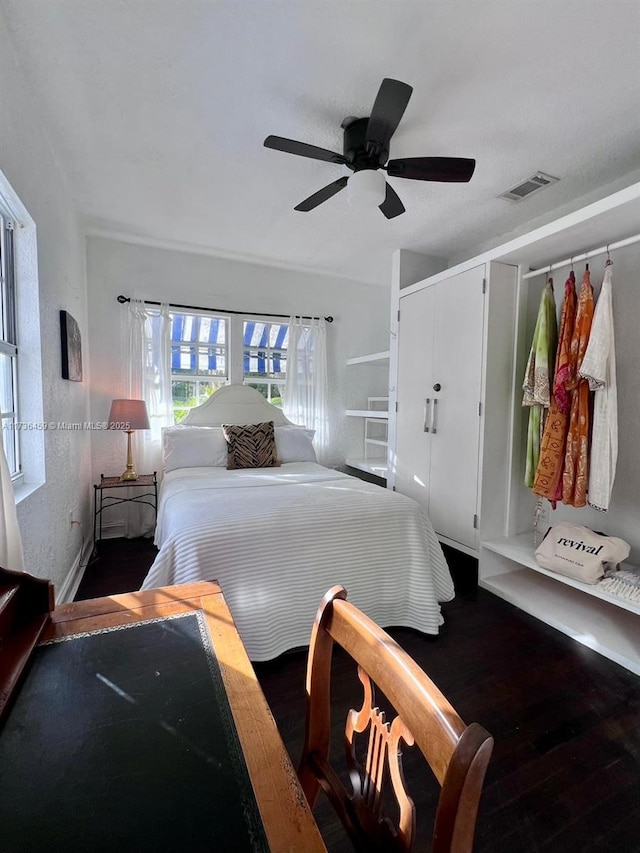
251, 445
193, 447
295, 444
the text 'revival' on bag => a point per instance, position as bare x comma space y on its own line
579, 553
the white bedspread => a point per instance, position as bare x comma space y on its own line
276, 539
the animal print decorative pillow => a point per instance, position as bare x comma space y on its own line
251, 446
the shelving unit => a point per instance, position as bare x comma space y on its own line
370, 359
520, 550
367, 413
593, 617
370, 466
375, 436
376, 416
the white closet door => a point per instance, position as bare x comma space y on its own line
415, 345
455, 436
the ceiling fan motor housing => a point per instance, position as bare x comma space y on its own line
355, 147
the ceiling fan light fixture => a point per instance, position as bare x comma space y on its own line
366, 188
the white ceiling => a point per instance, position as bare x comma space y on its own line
158, 109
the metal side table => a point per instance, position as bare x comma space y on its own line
147, 484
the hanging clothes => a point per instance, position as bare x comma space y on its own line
538, 376
548, 478
576, 457
599, 370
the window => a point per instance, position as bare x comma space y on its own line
209, 350
8, 349
199, 359
265, 358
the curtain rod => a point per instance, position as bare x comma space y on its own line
122, 299
585, 256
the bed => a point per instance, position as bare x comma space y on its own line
277, 538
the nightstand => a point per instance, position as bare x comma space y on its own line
146, 492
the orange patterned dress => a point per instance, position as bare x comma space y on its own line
548, 479
575, 477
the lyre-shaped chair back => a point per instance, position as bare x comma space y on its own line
457, 754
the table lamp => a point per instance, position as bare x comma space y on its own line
129, 415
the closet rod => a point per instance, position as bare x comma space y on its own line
585, 256
122, 299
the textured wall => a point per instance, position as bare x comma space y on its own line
51, 546
361, 324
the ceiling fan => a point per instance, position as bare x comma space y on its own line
366, 149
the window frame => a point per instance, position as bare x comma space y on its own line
234, 354
196, 377
267, 350
9, 345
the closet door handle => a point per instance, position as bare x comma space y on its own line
433, 415
426, 413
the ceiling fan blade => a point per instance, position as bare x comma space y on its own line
302, 149
322, 195
388, 108
392, 206
450, 169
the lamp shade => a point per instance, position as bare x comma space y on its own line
128, 414
366, 188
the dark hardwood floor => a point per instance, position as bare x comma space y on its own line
117, 565
565, 772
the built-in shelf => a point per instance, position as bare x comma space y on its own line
378, 467
375, 418
591, 616
521, 550
372, 414
378, 357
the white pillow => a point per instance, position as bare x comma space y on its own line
193, 447
295, 444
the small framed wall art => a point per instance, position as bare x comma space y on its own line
71, 348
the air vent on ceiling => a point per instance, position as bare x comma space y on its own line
531, 185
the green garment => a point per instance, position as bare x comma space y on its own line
539, 377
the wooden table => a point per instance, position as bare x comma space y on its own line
287, 819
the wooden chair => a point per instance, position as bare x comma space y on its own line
457, 754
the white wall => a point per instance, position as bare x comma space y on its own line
545, 218
360, 311
51, 547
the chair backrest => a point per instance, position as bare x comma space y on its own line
457, 754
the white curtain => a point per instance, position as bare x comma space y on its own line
305, 398
10, 541
149, 380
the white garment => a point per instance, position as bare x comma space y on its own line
305, 397
10, 542
599, 368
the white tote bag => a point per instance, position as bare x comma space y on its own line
579, 553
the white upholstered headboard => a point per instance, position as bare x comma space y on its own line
235, 404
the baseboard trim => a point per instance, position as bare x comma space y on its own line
118, 530
114, 530
66, 592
